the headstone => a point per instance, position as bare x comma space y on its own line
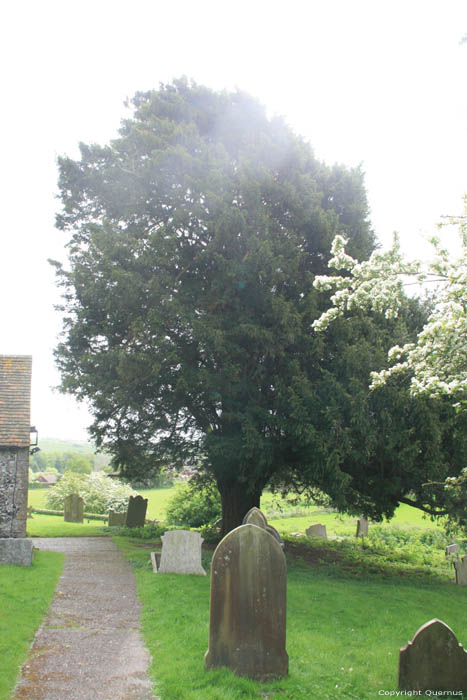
256, 517
16, 550
181, 553
248, 605
136, 515
317, 531
155, 561
461, 571
452, 550
74, 508
434, 661
117, 519
362, 527
272, 531
30, 509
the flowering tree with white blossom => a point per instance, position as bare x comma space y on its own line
437, 361
438, 358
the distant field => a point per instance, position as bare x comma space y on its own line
55, 445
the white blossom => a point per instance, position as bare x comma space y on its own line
438, 359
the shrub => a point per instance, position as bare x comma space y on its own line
194, 505
99, 492
151, 531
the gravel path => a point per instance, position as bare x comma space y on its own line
89, 646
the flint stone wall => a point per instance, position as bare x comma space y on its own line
14, 472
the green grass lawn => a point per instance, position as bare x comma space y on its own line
344, 629
54, 526
25, 596
336, 524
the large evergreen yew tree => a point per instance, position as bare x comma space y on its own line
195, 237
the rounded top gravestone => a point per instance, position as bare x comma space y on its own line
434, 660
248, 605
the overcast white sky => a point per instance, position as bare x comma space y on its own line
365, 81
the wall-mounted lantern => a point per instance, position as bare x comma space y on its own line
33, 448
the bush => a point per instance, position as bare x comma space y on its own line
194, 505
151, 531
99, 492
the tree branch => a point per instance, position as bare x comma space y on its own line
419, 506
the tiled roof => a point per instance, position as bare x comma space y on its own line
47, 478
15, 400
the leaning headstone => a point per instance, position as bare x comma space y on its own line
74, 508
248, 605
433, 661
452, 550
117, 519
181, 553
461, 571
362, 527
136, 514
317, 531
16, 550
256, 517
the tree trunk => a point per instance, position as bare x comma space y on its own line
236, 502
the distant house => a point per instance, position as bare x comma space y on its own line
47, 480
15, 427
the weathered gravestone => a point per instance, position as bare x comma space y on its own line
181, 553
155, 561
74, 508
17, 551
452, 550
433, 661
117, 519
362, 527
248, 605
317, 530
461, 571
136, 514
256, 517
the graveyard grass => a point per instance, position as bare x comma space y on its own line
345, 625
26, 593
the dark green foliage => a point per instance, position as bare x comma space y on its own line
194, 505
188, 302
150, 531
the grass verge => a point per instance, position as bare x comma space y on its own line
345, 625
25, 596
